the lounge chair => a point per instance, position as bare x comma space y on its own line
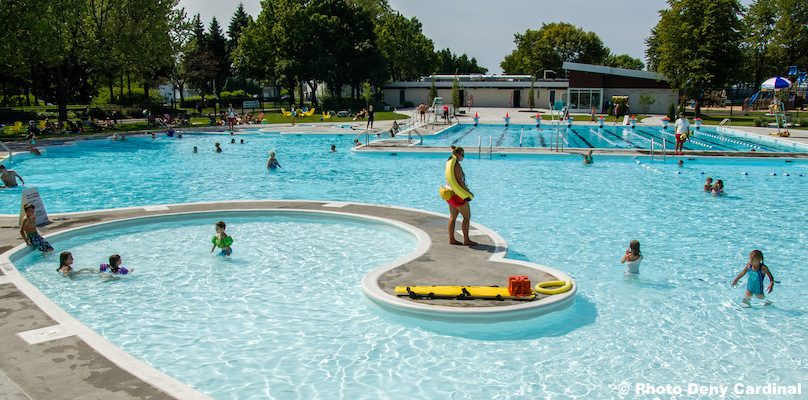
16, 128
286, 113
326, 115
309, 113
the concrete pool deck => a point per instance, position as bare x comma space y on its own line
67, 362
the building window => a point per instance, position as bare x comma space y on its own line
585, 99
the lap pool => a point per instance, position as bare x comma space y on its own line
678, 323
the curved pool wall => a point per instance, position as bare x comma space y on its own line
472, 315
127, 362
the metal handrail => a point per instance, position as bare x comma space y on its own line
724, 121
490, 146
480, 148
521, 134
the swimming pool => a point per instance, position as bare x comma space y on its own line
610, 137
678, 323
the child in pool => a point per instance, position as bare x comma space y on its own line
708, 185
195, 150
222, 240
632, 258
718, 188
757, 271
115, 266
66, 266
218, 147
273, 163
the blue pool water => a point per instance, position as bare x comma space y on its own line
610, 136
679, 323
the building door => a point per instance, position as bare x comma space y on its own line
462, 94
517, 98
401, 98
552, 98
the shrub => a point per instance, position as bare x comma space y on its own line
803, 122
138, 97
672, 112
236, 94
761, 121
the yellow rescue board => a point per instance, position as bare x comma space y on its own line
459, 292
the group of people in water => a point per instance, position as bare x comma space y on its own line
716, 188
114, 268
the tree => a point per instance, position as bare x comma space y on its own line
531, 97
408, 52
697, 45
623, 61
789, 45
217, 46
181, 46
552, 45
447, 63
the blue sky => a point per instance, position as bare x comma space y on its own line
484, 29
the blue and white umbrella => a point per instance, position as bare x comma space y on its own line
776, 83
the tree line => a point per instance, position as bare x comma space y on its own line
699, 45
117, 51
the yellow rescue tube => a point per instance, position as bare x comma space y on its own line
458, 292
563, 286
453, 184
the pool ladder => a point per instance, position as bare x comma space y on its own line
10, 156
480, 147
664, 145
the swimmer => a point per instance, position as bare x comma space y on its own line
9, 177
179, 135
115, 266
29, 232
196, 150
333, 148
233, 141
681, 163
153, 136
218, 147
587, 158
273, 163
242, 141
632, 258
66, 266
114, 136
757, 271
718, 188
221, 240
708, 185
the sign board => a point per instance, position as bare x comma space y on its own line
31, 196
251, 104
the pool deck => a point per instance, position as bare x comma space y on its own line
69, 361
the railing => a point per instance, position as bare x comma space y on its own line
521, 134
367, 137
490, 146
724, 121
480, 148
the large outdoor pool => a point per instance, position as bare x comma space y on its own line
678, 323
609, 137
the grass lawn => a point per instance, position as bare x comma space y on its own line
269, 118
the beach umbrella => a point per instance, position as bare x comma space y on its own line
776, 83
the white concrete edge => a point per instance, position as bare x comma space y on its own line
782, 141
124, 360
534, 308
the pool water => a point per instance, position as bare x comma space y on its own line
679, 322
280, 308
610, 136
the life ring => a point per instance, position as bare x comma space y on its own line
450, 179
563, 286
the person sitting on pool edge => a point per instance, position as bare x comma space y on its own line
29, 232
222, 240
708, 185
9, 177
